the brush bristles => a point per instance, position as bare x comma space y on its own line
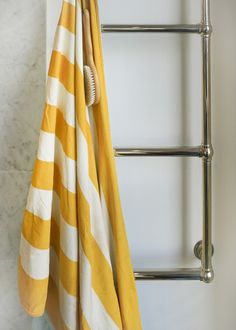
89, 84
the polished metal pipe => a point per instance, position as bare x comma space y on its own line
207, 273
168, 274
134, 28
161, 152
205, 151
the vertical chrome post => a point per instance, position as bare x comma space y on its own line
207, 273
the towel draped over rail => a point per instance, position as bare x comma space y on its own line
74, 257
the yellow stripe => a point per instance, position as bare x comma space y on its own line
33, 293
43, 175
63, 70
67, 199
68, 268
102, 277
36, 231
69, 274
67, 18
85, 128
107, 178
47, 176
54, 122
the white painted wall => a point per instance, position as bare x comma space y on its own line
154, 90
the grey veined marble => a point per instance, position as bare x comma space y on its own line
11, 313
22, 94
13, 192
22, 80
20, 120
22, 35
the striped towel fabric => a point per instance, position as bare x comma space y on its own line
74, 257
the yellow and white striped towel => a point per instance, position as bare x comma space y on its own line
74, 257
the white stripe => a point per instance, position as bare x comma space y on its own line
111, 240
85, 277
72, 2
65, 43
39, 202
101, 316
87, 111
35, 262
102, 197
92, 308
68, 233
67, 167
99, 228
68, 308
51, 150
79, 38
46, 146
60, 98
69, 240
68, 303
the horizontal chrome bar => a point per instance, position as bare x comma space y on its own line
174, 151
169, 274
176, 28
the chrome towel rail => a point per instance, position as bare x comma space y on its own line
161, 152
176, 28
168, 274
203, 249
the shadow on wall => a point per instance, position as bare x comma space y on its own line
224, 170
186, 255
191, 119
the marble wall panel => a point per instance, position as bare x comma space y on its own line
22, 94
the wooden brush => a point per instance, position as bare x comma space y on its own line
91, 80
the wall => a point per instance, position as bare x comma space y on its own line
22, 85
154, 90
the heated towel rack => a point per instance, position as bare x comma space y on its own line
203, 249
